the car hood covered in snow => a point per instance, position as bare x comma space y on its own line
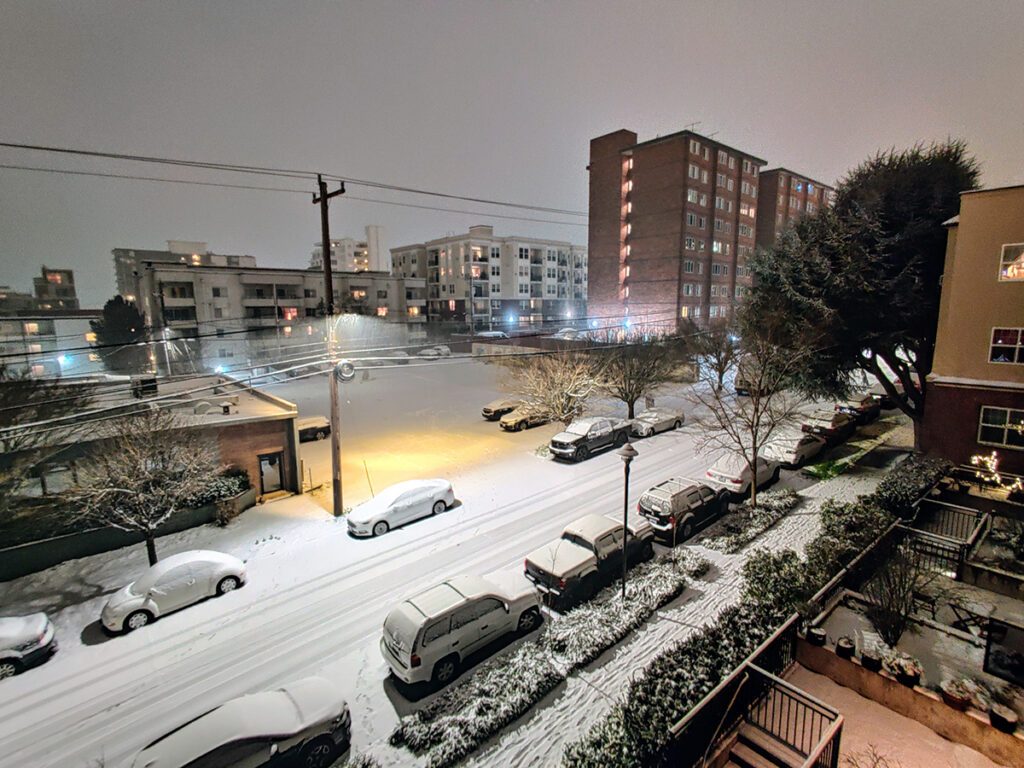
566, 437
15, 630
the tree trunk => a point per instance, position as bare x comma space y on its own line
631, 406
151, 548
917, 434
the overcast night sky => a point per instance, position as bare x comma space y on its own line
494, 100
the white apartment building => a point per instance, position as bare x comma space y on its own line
223, 317
349, 255
191, 252
493, 282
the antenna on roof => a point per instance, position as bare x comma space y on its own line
694, 124
712, 134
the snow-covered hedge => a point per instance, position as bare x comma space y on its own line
904, 484
636, 729
501, 690
746, 523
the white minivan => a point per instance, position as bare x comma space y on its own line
428, 636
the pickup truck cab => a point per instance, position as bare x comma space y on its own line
732, 473
676, 507
587, 556
584, 436
832, 425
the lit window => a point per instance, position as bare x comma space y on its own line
289, 313
94, 357
90, 336
451, 305
1011, 266
1007, 346
414, 311
382, 311
287, 330
31, 329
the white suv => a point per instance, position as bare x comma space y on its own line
428, 636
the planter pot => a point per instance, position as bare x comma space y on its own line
816, 636
957, 702
871, 663
909, 679
1002, 718
845, 648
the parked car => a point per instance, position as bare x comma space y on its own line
568, 334
174, 582
495, 409
586, 556
584, 436
862, 407
313, 428
440, 350
25, 641
304, 724
399, 504
491, 335
676, 507
832, 425
520, 418
429, 635
657, 420
792, 448
732, 472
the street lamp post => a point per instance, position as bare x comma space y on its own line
343, 370
627, 452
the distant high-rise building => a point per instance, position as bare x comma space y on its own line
191, 252
486, 280
55, 289
672, 221
783, 198
349, 255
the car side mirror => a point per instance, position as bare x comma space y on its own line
507, 607
273, 749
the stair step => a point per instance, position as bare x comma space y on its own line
746, 757
779, 753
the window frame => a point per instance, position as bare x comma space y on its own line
1017, 354
1004, 265
1005, 427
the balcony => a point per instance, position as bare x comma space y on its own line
481, 291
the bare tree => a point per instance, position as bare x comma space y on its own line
148, 466
716, 349
891, 592
557, 385
635, 370
744, 425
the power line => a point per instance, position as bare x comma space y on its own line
282, 172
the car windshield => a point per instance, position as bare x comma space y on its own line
577, 428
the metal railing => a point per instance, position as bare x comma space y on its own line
789, 715
827, 753
945, 519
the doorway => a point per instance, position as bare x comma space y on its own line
270, 472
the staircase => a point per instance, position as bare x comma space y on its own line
756, 749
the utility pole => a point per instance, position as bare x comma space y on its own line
325, 239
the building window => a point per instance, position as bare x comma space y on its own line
687, 266
732, 163
688, 289
697, 289
744, 230
782, 181
695, 146
692, 195
1003, 427
720, 179
1011, 264
704, 200
720, 203
700, 245
730, 185
810, 207
216, 292
691, 243
704, 177
719, 225
716, 247
796, 184
1007, 346
714, 290
723, 158
694, 171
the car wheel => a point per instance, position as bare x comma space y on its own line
582, 453
380, 528
687, 530
9, 667
228, 584
321, 435
438, 508
445, 671
647, 552
589, 586
520, 426
677, 425
319, 753
137, 620
620, 439
529, 620
649, 432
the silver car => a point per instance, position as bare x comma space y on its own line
173, 583
657, 420
25, 641
304, 724
399, 504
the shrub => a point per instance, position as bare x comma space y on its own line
746, 522
229, 483
777, 579
905, 483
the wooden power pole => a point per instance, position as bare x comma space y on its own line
325, 234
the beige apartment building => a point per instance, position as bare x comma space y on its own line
975, 400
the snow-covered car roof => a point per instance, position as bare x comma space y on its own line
450, 593
503, 402
362, 513
15, 630
591, 527
312, 421
147, 579
656, 414
286, 711
730, 464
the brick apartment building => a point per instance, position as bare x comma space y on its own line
783, 197
672, 221
975, 398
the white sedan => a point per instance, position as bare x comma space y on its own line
657, 420
173, 583
791, 449
400, 504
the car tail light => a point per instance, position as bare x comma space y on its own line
414, 660
671, 521
561, 583
735, 481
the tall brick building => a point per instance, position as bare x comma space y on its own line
672, 221
785, 196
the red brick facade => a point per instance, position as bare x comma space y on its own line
241, 446
783, 197
951, 422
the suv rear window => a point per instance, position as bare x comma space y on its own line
436, 630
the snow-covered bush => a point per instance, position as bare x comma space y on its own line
231, 482
501, 690
904, 484
637, 728
747, 522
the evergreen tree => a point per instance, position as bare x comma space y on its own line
121, 334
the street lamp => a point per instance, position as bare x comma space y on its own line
627, 452
343, 370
